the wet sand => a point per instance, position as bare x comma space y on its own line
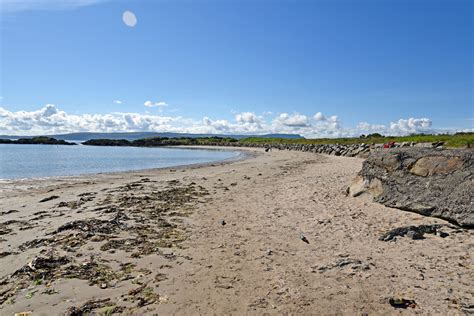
153, 241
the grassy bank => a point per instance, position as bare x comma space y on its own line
456, 140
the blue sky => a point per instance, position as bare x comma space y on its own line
389, 66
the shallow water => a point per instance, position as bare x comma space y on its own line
37, 161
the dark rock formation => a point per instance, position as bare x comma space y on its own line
361, 150
414, 232
41, 140
431, 182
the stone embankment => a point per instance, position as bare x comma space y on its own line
350, 150
418, 177
430, 182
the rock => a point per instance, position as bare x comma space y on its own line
442, 234
5, 253
432, 165
222, 222
49, 198
402, 303
8, 212
303, 238
467, 308
346, 261
430, 182
413, 232
360, 186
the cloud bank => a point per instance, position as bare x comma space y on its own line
52, 120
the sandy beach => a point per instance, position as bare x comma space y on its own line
220, 239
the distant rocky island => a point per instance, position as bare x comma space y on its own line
42, 140
162, 141
131, 136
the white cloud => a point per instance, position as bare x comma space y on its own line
247, 117
401, 127
294, 120
411, 125
25, 5
217, 125
117, 102
319, 117
151, 104
368, 128
51, 120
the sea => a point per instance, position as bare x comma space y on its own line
40, 161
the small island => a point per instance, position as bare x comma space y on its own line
41, 140
162, 141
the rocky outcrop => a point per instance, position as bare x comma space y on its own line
348, 150
40, 140
430, 182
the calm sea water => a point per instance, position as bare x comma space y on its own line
36, 161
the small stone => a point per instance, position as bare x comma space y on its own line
304, 239
442, 234
103, 286
222, 222
402, 303
412, 234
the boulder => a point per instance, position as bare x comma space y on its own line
431, 182
431, 165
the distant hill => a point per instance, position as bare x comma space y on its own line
139, 135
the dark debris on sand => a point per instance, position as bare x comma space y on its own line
136, 218
414, 232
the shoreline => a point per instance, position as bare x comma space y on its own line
147, 242
244, 153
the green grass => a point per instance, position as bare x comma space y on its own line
456, 140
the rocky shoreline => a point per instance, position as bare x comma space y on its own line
347, 150
430, 182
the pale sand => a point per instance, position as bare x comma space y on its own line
256, 263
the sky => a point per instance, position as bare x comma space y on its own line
320, 68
